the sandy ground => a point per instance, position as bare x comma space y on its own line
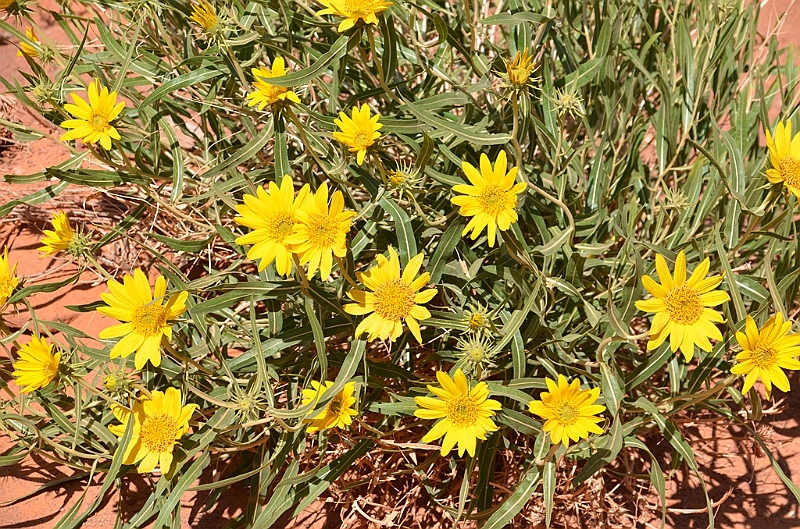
751, 493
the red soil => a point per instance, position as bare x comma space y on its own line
756, 498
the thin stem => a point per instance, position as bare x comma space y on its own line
558, 203
92, 261
515, 128
344, 273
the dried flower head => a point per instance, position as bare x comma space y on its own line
476, 352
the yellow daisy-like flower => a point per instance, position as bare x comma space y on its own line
394, 298
320, 232
491, 200
37, 365
338, 413
266, 93
27, 49
360, 132
568, 410
272, 217
205, 15
94, 117
5, 4
466, 416
8, 277
682, 307
518, 69
145, 317
766, 352
60, 237
784, 153
158, 423
353, 11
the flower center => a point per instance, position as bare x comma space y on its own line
50, 368
684, 305
148, 320
271, 93
476, 321
462, 411
790, 171
492, 200
158, 433
519, 75
322, 231
7, 285
476, 352
281, 227
566, 415
362, 140
335, 407
764, 356
358, 8
98, 121
393, 300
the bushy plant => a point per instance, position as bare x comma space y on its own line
372, 232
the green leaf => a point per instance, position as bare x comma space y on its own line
406, 242
515, 501
305, 75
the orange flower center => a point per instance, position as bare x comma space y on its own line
149, 320
790, 171
270, 92
336, 406
322, 230
462, 411
7, 286
394, 300
281, 226
764, 356
362, 140
158, 432
493, 200
476, 321
566, 415
358, 8
98, 121
684, 305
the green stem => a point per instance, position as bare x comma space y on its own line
558, 203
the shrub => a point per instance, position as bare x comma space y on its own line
357, 218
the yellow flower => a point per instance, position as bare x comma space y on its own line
766, 352
8, 278
37, 365
267, 94
204, 14
466, 416
145, 318
519, 68
321, 233
358, 133
338, 413
394, 298
92, 125
5, 4
353, 11
491, 200
784, 153
60, 237
568, 410
272, 217
27, 49
681, 306
157, 423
